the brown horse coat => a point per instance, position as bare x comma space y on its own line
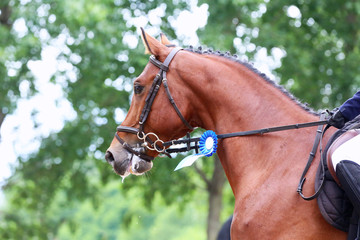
224, 95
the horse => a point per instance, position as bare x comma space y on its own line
218, 92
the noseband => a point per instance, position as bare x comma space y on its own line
157, 145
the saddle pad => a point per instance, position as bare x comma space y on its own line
333, 203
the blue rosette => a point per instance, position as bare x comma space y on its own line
207, 146
208, 143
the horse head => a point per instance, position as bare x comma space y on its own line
153, 116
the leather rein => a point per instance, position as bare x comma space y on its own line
162, 147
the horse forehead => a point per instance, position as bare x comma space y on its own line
148, 73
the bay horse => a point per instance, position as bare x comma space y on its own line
223, 94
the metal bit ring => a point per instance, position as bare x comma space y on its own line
156, 148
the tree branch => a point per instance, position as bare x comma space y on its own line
2, 117
202, 175
5, 16
218, 179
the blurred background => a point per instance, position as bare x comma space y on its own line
66, 72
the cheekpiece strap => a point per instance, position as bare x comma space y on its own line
161, 77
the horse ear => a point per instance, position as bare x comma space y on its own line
164, 40
152, 46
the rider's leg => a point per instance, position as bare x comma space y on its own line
348, 173
346, 161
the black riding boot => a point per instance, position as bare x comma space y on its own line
348, 173
353, 232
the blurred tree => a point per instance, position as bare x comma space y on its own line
99, 44
320, 40
13, 60
97, 61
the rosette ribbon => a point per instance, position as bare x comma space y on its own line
207, 147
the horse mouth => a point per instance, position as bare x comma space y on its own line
126, 163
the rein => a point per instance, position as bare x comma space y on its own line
262, 131
318, 138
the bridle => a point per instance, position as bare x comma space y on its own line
158, 144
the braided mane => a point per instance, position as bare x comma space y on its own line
249, 66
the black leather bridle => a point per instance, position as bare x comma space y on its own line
158, 144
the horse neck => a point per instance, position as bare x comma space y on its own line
230, 97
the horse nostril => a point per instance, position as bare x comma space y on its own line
137, 165
109, 157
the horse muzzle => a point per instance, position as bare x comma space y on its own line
125, 163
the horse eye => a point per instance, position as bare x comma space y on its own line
138, 89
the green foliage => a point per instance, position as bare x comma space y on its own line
321, 43
103, 64
15, 51
70, 164
116, 217
58, 192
